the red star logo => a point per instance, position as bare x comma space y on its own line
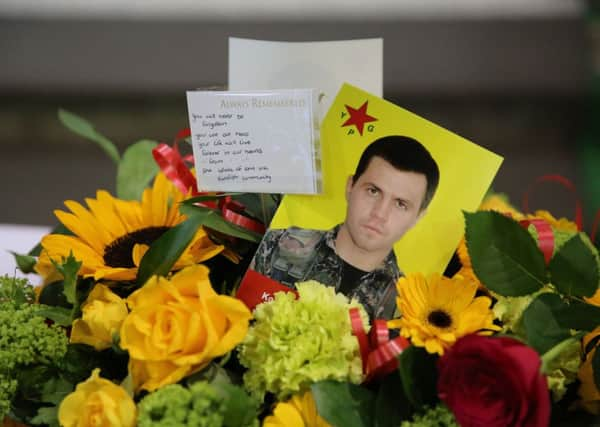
358, 117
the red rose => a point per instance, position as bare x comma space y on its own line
490, 382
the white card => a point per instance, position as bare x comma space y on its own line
262, 65
262, 141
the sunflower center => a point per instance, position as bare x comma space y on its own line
439, 318
118, 253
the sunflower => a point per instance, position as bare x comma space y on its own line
594, 299
588, 392
436, 311
499, 202
299, 411
112, 235
560, 224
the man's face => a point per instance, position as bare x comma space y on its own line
383, 204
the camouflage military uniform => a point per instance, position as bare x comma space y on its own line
296, 255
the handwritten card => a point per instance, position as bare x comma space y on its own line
263, 142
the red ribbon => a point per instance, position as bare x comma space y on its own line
172, 164
378, 352
231, 212
545, 235
565, 183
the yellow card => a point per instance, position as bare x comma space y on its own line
357, 118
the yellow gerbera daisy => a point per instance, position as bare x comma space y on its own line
436, 311
299, 411
112, 235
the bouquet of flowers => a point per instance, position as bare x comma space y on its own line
136, 322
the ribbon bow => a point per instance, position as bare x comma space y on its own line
378, 352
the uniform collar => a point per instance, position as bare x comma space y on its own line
388, 266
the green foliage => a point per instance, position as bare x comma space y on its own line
167, 249
82, 127
344, 404
47, 416
15, 291
504, 255
136, 169
59, 315
391, 405
574, 269
69, 269
437, 416
240, 409
24, 262
419, 376
199, 405
541, 325
214, 219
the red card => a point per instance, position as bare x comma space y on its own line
257, 288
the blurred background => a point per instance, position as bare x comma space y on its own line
518, 77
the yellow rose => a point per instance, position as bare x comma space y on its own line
177, 326
103, 313
97, 402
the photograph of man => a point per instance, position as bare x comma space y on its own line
394, 182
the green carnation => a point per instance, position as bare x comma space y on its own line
200, 405
562, 369
296, 342
438, 416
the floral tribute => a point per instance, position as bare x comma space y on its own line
133, 322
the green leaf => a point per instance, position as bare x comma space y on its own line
55, 390
578, 315
391, 407
574, 269
59, 315
504, 256
46, 416
240, 409
541, 324
596, 368
419, 376
207, 198
82, 127
344, 404
52, 294
24, 262
69, 268
213, 219
136, 169
127, 385
167, 249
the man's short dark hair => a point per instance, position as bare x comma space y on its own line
405, 154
